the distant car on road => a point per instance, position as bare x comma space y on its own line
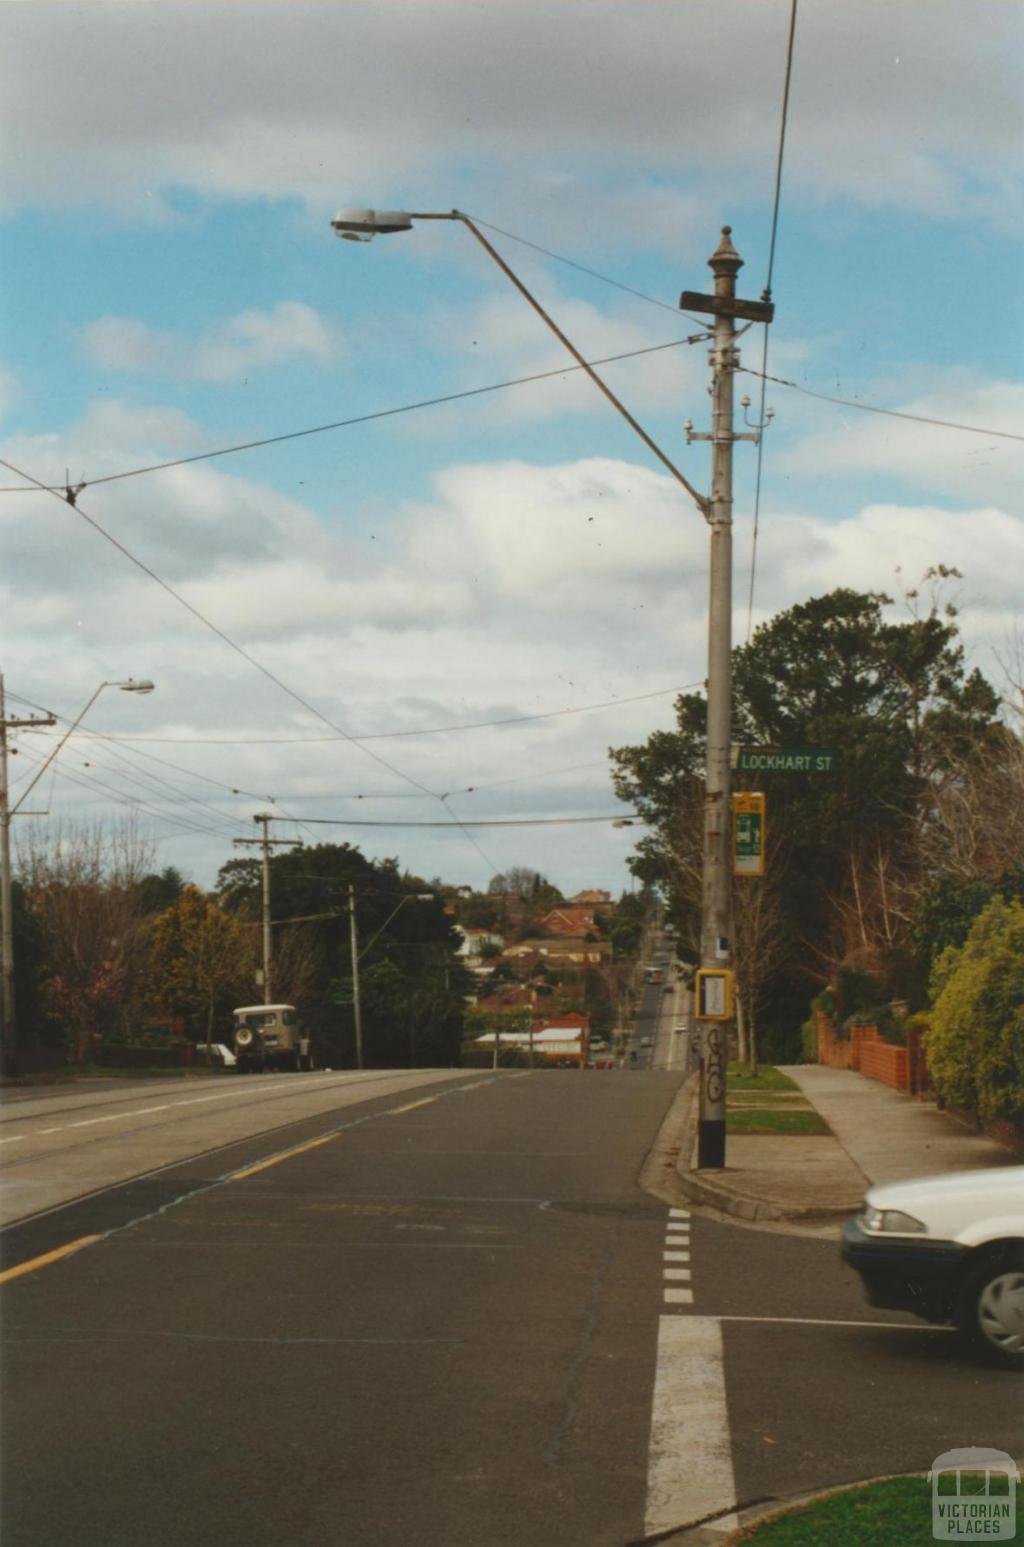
271, 1036
950, 1249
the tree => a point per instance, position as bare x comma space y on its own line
198, 959
975, 1043
896, 702
415, 938
81, 889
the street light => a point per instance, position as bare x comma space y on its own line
9, 1039
724, 306
362, 225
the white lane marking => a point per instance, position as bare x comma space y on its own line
675, 1256
677, 1240
813, 1321
678, 1296
682, 1274
13, 1140
689, 1465
678, 1213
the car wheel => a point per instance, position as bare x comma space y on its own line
990, 1310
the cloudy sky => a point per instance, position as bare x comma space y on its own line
173, 287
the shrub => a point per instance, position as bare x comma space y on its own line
975, 1046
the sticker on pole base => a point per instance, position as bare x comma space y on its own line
714, 994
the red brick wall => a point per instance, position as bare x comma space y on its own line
879, 1061
841, 1052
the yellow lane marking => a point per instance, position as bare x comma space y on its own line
394, 1111
261, 1165
48, 1257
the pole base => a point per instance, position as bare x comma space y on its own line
710, 1144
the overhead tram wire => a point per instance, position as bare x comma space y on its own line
36, 487
153, 758
245, 654
889, 413
121, 797
783, 117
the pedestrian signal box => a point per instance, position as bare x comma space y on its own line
714, 994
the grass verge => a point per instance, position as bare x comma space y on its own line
774, 1120
766, 1078
896, 1511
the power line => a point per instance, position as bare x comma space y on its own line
240, 650
767, 296
435, 730
890, 413
582, 269
321, 429
552, 821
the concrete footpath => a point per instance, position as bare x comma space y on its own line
877, 1135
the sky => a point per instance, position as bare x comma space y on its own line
334, 622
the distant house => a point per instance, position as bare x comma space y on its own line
592, 899
505, 1000
473, 942
563, 953
571, 921
562, 1041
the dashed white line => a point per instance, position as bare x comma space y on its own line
675, 1256
682, 1275
678, 1296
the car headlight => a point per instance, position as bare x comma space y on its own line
891, 1221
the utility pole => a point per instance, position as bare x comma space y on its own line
716, 903
9, 1038
266, 843
357, 1008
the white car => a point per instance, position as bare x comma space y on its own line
950, 1249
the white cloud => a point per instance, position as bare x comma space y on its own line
952, 463
516, 589
245, 343
904, 105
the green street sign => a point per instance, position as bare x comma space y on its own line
804, 760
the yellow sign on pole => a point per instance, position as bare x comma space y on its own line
714, 994
748, 833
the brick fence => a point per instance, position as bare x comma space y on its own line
880, 1061
866, 1050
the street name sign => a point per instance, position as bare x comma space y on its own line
805, 760
748, 833
726, 306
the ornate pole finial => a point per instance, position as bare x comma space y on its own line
725, 260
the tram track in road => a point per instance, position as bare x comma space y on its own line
47, 1172
11, 1160
161, 1087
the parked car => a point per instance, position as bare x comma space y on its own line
950, 1249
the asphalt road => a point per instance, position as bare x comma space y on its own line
443, 1316
435, 1327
